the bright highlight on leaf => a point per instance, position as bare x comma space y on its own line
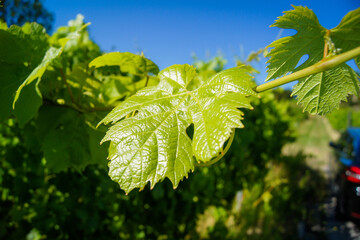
128, 62
322, 92
149, 140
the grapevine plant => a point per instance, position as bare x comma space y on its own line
163, 124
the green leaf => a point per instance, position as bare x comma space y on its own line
149, 140
29, 103
66, 139
346, 35
322, 92
37, 73
51, 54
20, 48
309, 40
317, 92
128, 62
10, 78
23, 44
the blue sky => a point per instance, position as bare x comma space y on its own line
169, 32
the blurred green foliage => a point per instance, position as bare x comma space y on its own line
341, 118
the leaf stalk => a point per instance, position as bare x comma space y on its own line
221, 155
321, 66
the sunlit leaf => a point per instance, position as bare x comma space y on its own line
128, 62
149, 140
309, 40
321, 93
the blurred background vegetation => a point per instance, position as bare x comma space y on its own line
262, 189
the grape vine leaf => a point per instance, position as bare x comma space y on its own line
347, 34
149, 140
27, 108
67, 141
51, 54
20, 48
309, 40
128, 62
322, 92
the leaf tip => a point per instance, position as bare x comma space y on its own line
99, 123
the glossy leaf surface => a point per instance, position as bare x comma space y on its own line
149, 140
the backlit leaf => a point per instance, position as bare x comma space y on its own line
346, 35
128, 62
149, 140
321, 93
309, 40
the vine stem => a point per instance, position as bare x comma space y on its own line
79, 109
147, 80
321, 66
326, 45
221, 155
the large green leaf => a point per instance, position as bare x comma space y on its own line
28, 103
51, 54
149, 140
128, 62
23, 44
10, 78
322, 92
20, 49
67, 141
27, 108
37, 73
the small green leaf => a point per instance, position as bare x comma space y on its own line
151, 143
128, 62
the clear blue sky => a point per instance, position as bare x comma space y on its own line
169, 31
